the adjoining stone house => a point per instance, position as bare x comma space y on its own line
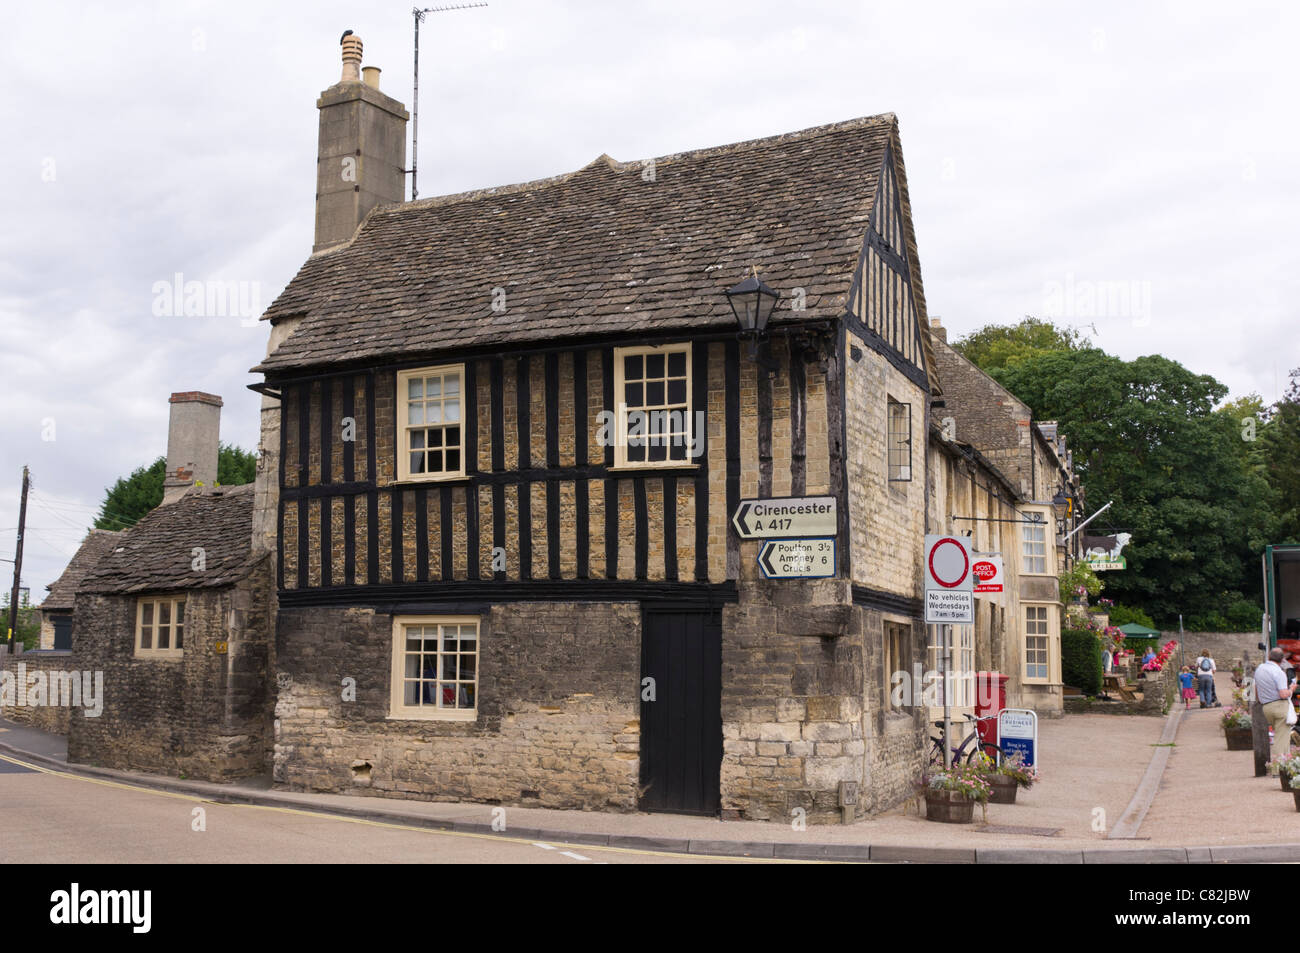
493, 587
176, 617
56, 608
980, 411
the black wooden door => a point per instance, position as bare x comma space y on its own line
681, 712
62, 632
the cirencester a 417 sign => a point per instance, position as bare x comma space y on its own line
786, 517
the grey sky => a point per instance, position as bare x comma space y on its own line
1128, 166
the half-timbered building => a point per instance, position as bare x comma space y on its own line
504, 436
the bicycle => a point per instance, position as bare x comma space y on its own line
959, 753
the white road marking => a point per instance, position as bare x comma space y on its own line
569, 853
543, 846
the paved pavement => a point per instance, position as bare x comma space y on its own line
1206, 801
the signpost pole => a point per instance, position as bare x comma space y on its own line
947, 702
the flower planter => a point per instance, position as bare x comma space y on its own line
1296, 794
949, 807
1286, 780
1239, 739
1004, 789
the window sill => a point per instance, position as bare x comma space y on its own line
461, 716
651, 467
425, 481
155, 657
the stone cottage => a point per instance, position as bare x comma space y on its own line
56, 608
176, 617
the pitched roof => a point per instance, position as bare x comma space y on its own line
63, 591
157, 553
609, 249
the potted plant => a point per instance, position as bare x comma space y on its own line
1237, 729
1007, 778
951, 793
1287, 768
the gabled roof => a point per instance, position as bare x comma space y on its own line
63, 591
158, 553
614, 248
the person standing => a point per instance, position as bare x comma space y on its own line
1185, 680
1273, 695
1205, 679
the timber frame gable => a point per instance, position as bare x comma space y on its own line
886, 307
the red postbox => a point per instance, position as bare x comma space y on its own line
990, 698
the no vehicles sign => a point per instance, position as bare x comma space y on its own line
949, 581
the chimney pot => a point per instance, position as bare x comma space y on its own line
370, 76
351, 59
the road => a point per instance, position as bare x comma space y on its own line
58, 817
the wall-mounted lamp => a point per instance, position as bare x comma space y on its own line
752, 302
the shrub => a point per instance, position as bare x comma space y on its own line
1123, 615
1081, 660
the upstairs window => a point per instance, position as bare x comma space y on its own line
432, 438
160, 627
653, 388
1033, 544
900, 440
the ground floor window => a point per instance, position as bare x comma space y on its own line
895, 659
435, 667
959, 682
1037, 643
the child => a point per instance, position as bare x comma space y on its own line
1186, 679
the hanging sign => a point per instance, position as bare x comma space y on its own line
987, 570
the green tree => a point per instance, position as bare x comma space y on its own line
1145, 434
999, 346
1279, 447
133, 496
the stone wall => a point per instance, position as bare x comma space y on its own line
204, 715
49, 693
1224, 646
558, 723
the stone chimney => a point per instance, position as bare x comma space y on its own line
937, 330
193, 436
361, 158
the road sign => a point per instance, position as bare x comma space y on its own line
949, 582
951, 608
797, 558
1018, 731
948, 564
987, 570
786, 517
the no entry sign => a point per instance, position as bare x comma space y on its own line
949, 581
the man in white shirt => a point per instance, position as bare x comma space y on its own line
1273, 695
